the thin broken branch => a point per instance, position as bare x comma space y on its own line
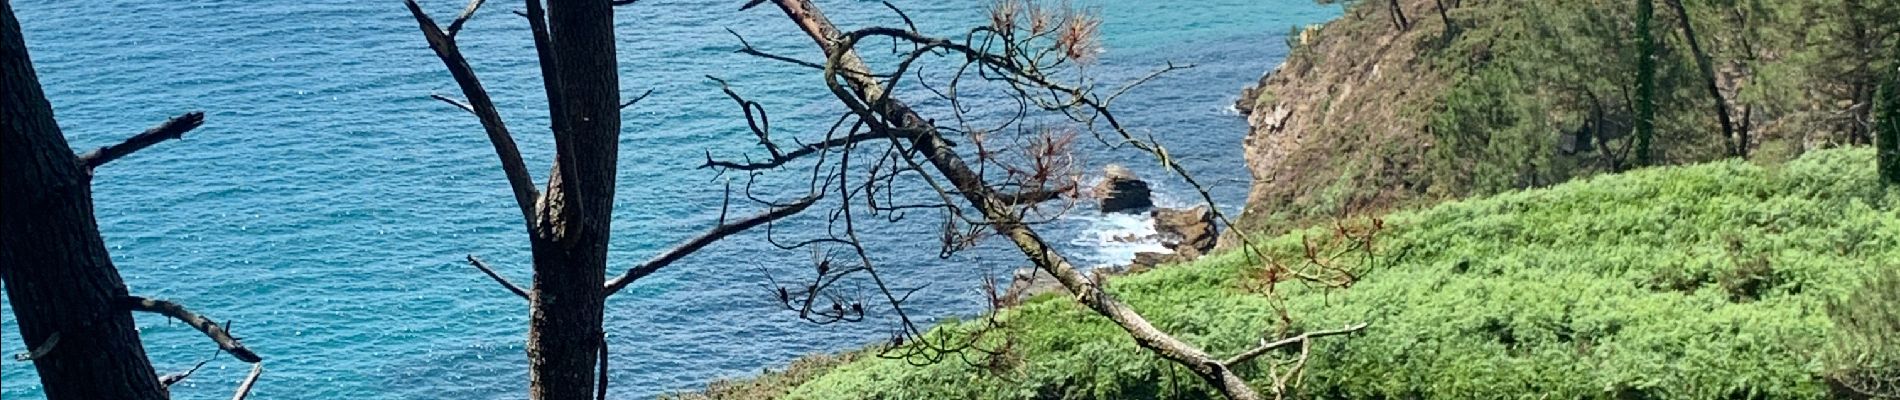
600, 390
636, 99
454, 102
167, 380
244, 389
684, 249
785, 157
211, 329
468, 12
45, 346
505, 283
171, 129
1266, 347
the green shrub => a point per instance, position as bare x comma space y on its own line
1709, 281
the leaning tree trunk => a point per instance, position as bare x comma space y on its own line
1736, 147
64, 289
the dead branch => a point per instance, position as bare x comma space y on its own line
454, 102
467, 12
785, 157
173, 128
636, 99
484, 108
600, 390
563, 180
505, 283
211, 329
39, 351
1035, 195
1266, 347
167, 380
244, 389
690, 246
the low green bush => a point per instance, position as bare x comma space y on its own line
1707, 281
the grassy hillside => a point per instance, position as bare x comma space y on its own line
1705, 281
1496, 95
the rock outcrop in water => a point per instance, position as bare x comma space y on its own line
1189, 232
1121, 191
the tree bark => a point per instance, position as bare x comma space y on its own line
572, 233
1645, 81
57, 272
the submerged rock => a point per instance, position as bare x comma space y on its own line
1120, 191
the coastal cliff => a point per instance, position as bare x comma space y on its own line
1386, 108
1336, 125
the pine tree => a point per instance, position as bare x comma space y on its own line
1645, 80
1887, 121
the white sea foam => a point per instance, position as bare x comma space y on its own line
1114, 238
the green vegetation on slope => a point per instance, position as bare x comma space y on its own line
1707, 281
1522, 94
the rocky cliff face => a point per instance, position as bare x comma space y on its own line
1491, 96
1337, 127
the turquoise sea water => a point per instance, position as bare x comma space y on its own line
326, 205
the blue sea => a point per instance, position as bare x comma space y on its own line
325, 207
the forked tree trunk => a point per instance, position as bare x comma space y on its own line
571, 234
57, 273
568, 223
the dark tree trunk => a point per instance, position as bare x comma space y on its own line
1735, 146
57, 272
1445, 16
1645, 81
1398, 15
1862, 79
571, 236
1887, 121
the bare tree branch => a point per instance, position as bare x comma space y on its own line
518, 177
636, 99
211, 329
1035, 195
684, 249
171, 129
244, 389
168, 380
600, 382
1266, 347
468, 12
564, 179
36, 352
505, 283
454, 102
